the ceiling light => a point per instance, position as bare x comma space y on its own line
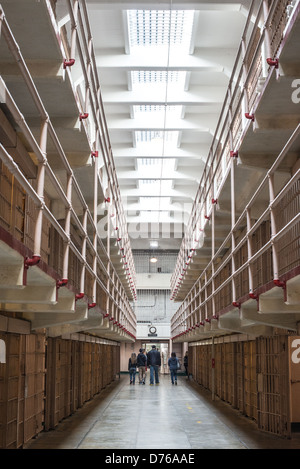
153, 244
153, 259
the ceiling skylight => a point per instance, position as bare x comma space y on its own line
161, 77
160, 32
176, 111
152, 137
156, 168
160, 28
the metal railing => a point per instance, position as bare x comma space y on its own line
235, 118
202, 300
80, 43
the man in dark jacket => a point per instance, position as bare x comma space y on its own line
142, 363
154, 361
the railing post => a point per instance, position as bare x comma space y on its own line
1, 19
108, 252
266, 45
74, 30
88, 72
273, 227
267, 41
40, 189
95, 219
205, 295
245, 101
83, 253
212, 257
233, 216
232, 189
231, 148
249, 248
67, 228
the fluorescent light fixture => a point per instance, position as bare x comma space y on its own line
153, 259
153, 244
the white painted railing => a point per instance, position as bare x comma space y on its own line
258, 49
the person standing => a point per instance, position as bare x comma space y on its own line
132, 364
186, 362
141, 364
154, 361
173, 366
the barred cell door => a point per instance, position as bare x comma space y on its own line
273, 403
22, 374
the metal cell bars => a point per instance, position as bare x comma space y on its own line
153, 306
65, 196
82, 43
254, 60
165, 263
269, 243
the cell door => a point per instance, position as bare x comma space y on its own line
273, 404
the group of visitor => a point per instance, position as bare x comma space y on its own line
153, 360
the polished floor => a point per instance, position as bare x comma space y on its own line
164, 416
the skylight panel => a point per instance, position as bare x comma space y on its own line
156, 167
139, 77
148, 108
150, 136
161, 32
159, 110
160, 27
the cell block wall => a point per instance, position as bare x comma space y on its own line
250, 375
44, 380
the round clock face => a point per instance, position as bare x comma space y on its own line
152, 330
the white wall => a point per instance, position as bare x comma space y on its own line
153, 281
163, 331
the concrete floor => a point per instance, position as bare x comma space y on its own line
184, 417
